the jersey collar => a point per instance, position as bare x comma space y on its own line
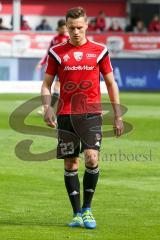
80, 45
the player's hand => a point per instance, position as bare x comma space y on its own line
48, 117
38, 66
118, 126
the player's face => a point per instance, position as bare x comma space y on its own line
77, 30
62, 30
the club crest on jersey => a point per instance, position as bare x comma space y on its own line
78, 56
66, 58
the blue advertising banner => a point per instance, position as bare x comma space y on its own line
130, 74
137, 74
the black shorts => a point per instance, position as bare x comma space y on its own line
78, 132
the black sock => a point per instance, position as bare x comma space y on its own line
90, 180
54, 99
73, 189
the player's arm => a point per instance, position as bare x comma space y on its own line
41, 62
50, 72
115, 101
46, 99
46, 90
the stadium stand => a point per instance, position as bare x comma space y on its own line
35, 12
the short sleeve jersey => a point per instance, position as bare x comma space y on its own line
59, 38
78, 69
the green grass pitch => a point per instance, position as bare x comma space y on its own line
33, 201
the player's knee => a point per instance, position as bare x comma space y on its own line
71, 164
91, 159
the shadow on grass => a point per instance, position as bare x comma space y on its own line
40, 224
31, 224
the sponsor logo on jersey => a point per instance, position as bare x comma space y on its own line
78, 56
79, 68
91, 55
66, 58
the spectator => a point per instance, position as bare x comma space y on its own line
115, 27
131, 24
101, 22
140, 28
43, 26
154, 25
92, 25
2, 27
24, 25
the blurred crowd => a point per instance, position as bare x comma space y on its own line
97, 24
